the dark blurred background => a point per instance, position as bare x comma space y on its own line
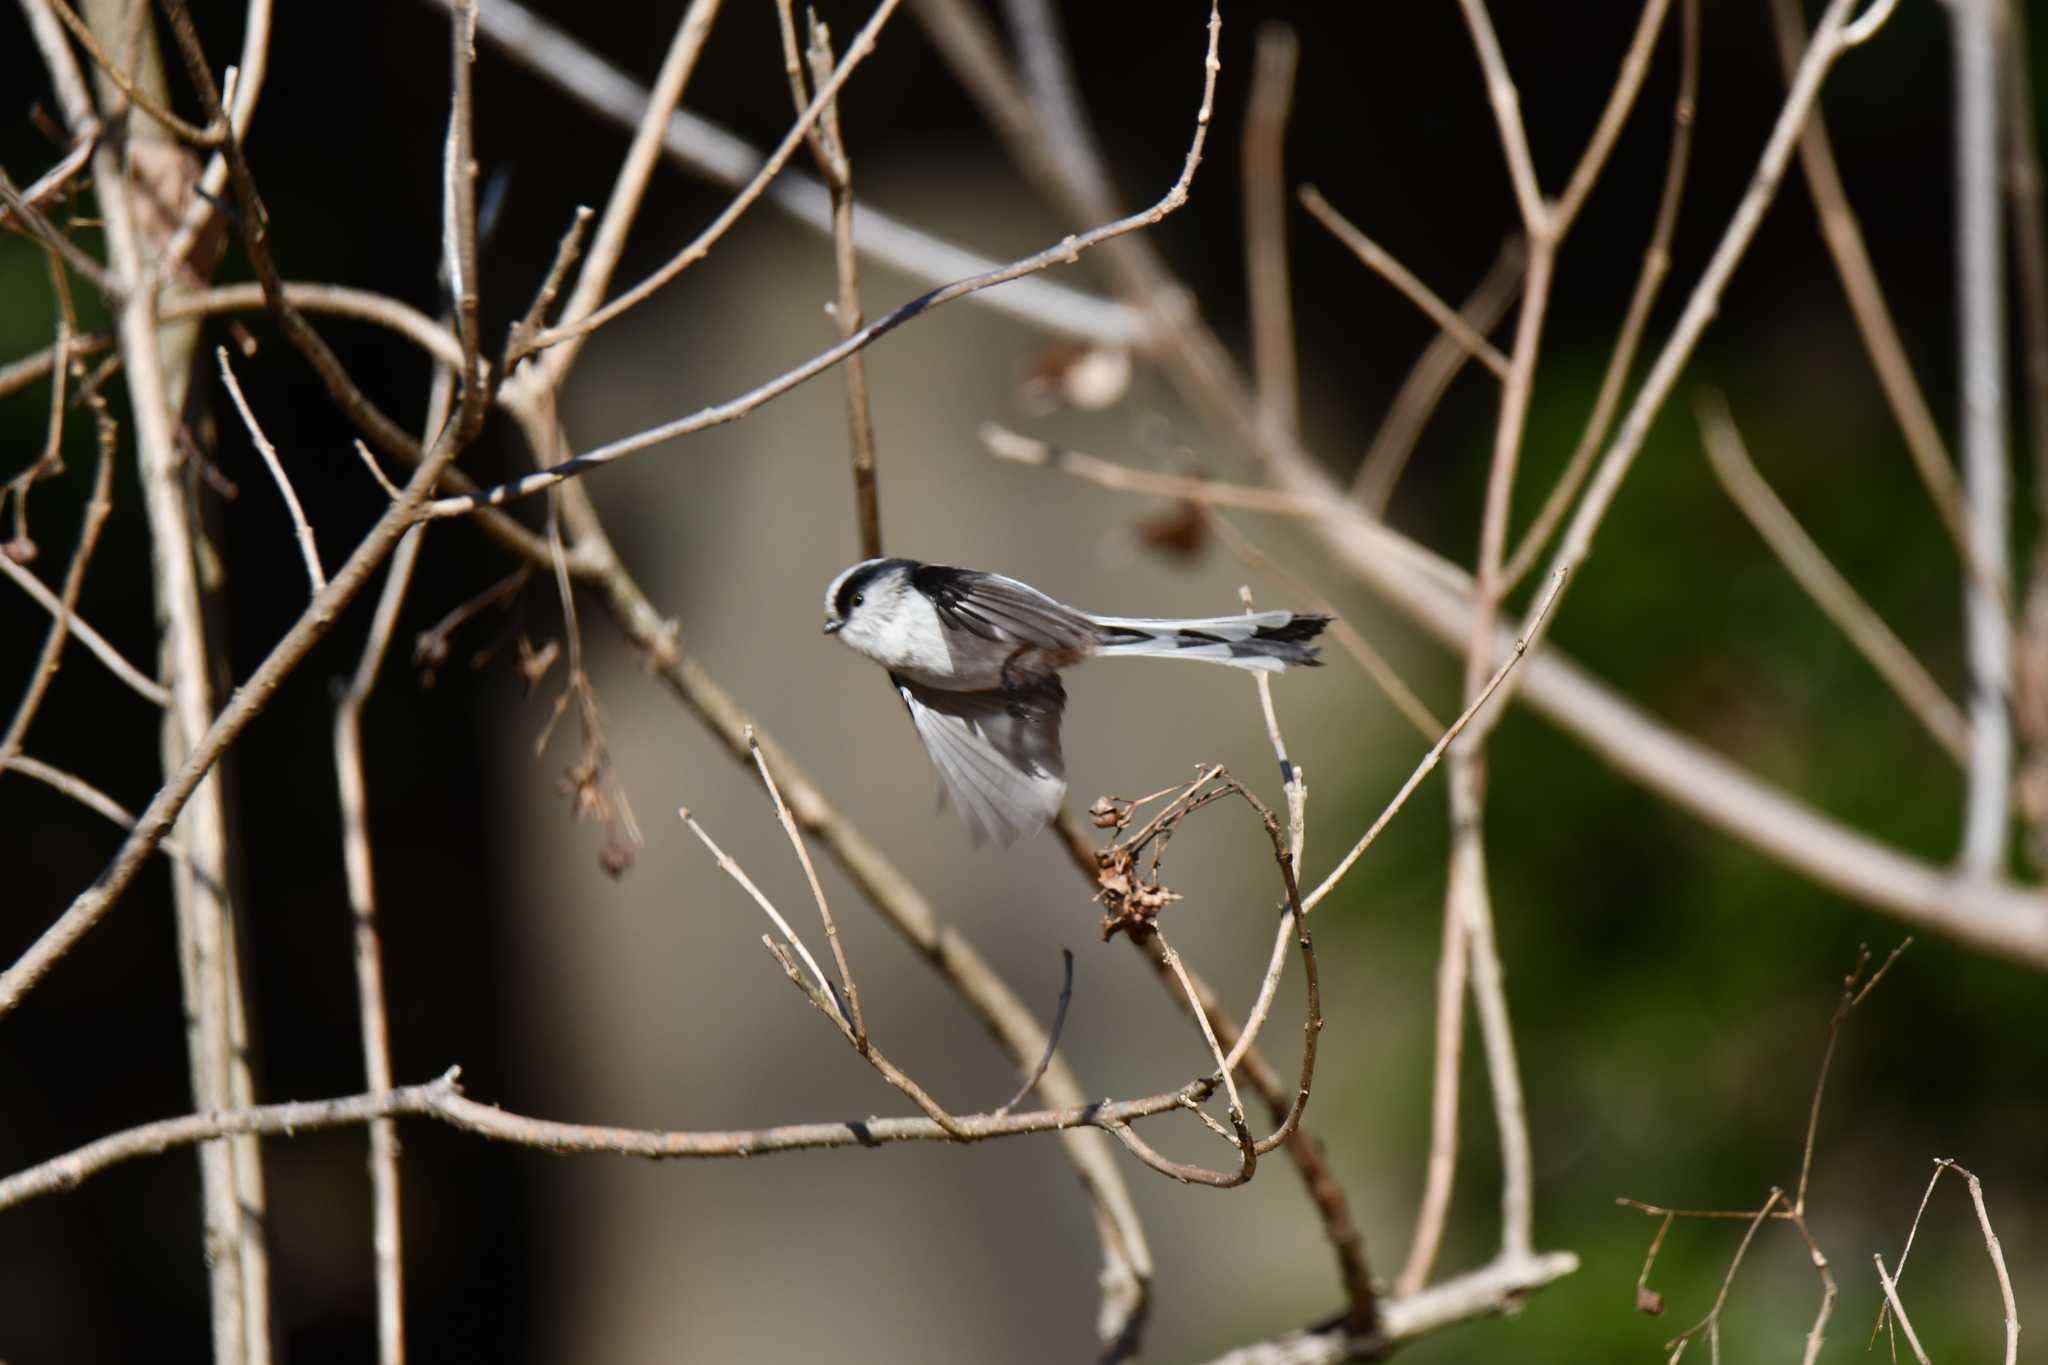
1671, 988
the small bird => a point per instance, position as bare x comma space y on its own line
977, 659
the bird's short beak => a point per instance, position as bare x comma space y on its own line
832, 627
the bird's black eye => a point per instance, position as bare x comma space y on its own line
856, 601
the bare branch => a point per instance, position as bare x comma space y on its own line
131, 677
1891, 1297
1711, 1323
803, 855
828, 148
1649, 282
1426, 383
1635, 65
1265, 223
1507, 112
248, 700
1376, 259
1831, 592
442, 1100
1430, 759
1844, 238
1704, 301
710, 151
1062, 252
856, 52
210, 136
1981, 361
308, 550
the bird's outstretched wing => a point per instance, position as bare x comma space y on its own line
997, 753
1004, 611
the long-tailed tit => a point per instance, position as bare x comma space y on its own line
977, 659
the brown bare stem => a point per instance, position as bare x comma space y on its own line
700, 246
1832, 593
252, 696
1376, 259
443, 1101
1843, 235
1127, 1259
1649, 282
835, 167
1891, 1298
98, 504
1827, 46
309, 550
1063, 252
1711, 1323
1430, 759
1415, 402
803, 856
212, 135
1265, 223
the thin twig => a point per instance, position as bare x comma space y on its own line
210, 136
711, 152
1126, 1256
1635, 66
308, 549
1173, 964
1052, 1037
803, 855
87, 795
1063, 252
1376, 259
372, 1010
1507, 113
442, 1099
629, 191
1430, 759
1997, 1253
1649, 282
1831, 592
746, 884
1430, 378
1009, 445
248, 701
51, 182
856, 52
1818, 1332
1874, 323
49, 237
98, 504
376, 471
1891, 1297
1440, 1172
1705, 298
1711, 1323
828, 149
252, 220
1295, 785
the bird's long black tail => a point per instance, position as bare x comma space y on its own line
1268, 640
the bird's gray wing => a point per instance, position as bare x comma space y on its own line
1002, 609
997, 754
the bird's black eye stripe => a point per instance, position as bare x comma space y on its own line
851, 593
